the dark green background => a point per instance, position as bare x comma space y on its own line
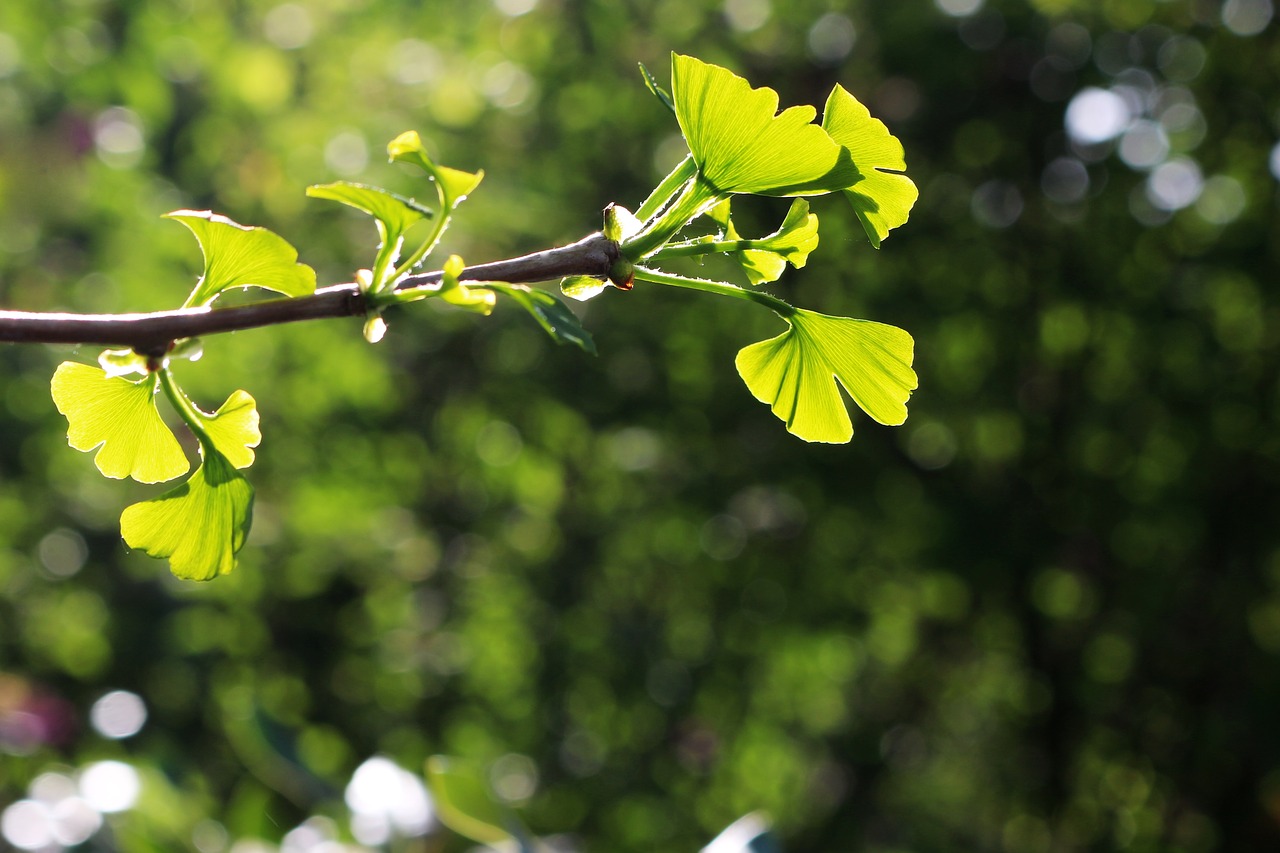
1043, 615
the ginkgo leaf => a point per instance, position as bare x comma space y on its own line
657, 91
796, 373
454, 184
478, 299
553, 315
200, 525
120, 417
395, 212
769, 256
241, 256
884, 197
743, 145
233, 429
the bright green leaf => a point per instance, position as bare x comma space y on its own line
658, 92
233, 429
478, 299
552, 314
122, 362
200, 525
395, 212
121, 417
239, 256
463, 801
743, 145
884, 197
454, 184
583, 287
796, 374
769, 256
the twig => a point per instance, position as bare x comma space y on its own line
152, 333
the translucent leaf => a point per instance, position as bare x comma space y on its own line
455, 185
463, 802
478, 299
395, 212
375, 328
233, 429
239, 256
796, 374
658, 92
583, 287
552, 314
120, 417
743, 145
884, 197
200, 525
791, 243
123, 362
620, 223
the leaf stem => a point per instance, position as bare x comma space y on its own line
706, 247
183, 406
721, 288
664, 191
693, 201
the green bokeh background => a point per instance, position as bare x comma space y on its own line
1043, 615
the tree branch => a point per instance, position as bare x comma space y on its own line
152, 333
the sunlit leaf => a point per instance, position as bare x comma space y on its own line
743, 145
233, 429
200, 525
395, 212
552, 314
658, 92
123, 362
796, 374
119, 416
240, 256
455, 185
791, 243
583, 287
620, 223
463, 801
468, 297
884, 197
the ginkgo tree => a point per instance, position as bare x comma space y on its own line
739, 145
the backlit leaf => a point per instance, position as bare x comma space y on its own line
240, 256
393, 213
233, 429
552, 314
743, 145
120, 417
884, 197
455, 184
791, 243
200, 525
796, 374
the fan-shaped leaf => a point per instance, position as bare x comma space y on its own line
884, 197
455, 184
120, 417
796, 374
240, 256
200, 525
743, 145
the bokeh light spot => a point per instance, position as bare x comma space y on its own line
1144, 145
996, 204
515, 8
1247, 17
1175, 184
110, 786
1065, 181
118, 714
831, 37
958, 8
63, 552
747, 16
117, 134
1222, 200
27, 825
347, 153
288, 26
1096, 115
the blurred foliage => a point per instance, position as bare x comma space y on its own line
1042, 615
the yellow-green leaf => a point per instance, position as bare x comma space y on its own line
120, 417
743, 145
768, 259
454, 184
241, 256
464, 803
200, 525
796, 374
233, 429
884, 197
